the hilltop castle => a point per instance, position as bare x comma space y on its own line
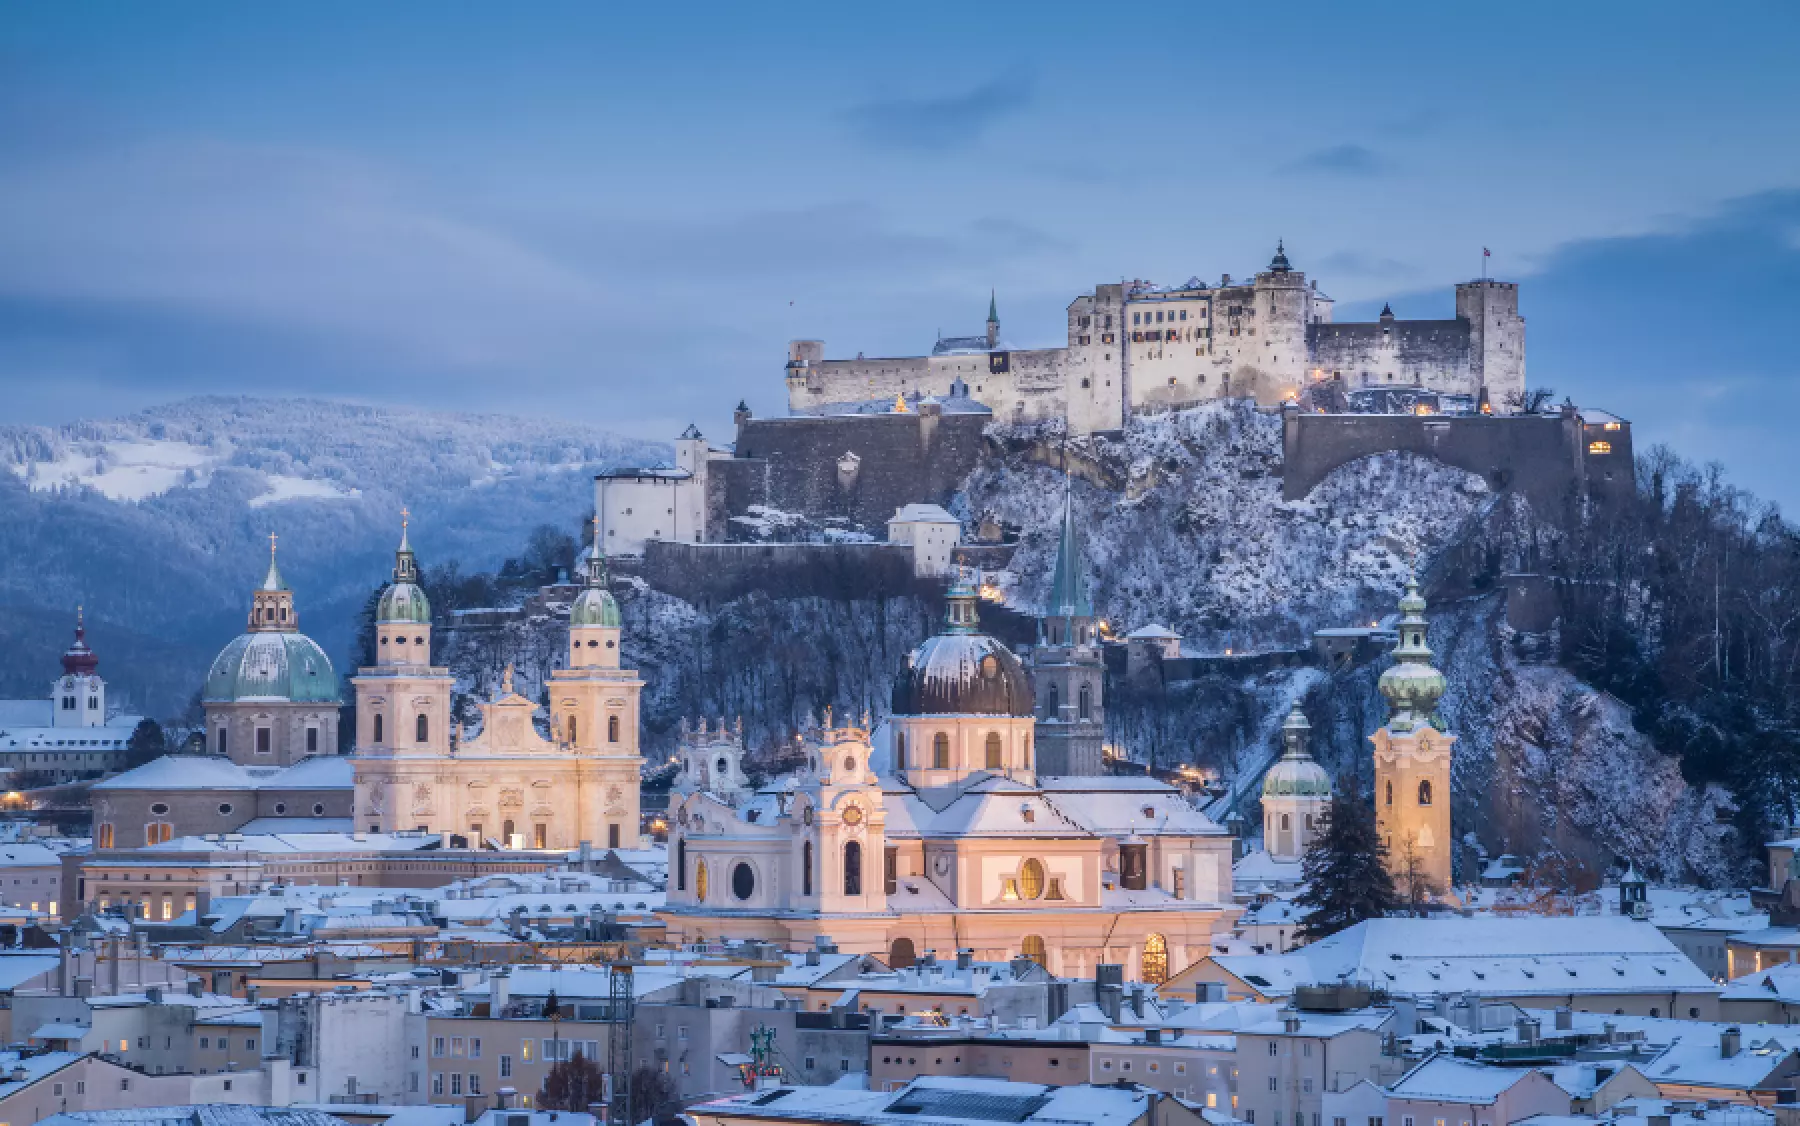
1135, 347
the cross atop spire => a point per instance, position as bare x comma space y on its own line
406, 567
272, 580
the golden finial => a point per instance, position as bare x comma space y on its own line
405, 517
272, 538
900, 403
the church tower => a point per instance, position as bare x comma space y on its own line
1296, 791
1067, 671
594, 712
993, 321
1412, 759
844, 821
80, 694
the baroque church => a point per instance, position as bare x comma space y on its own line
271, 731
974, 818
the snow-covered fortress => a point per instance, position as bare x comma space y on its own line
1135, 347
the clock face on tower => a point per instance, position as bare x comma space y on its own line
853, 815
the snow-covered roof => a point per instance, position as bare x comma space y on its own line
212, 1114
211, 772
276, 826
1259, 867
27, 856
73, 740
1447, 1079
939, 1099
17, 969
922, 514
1153, 632
1777, 983
1489, 955
1697, 1059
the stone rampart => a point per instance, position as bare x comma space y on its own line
708, 574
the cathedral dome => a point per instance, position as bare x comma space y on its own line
403, 602
963, 672
279, 667
595, 606
1296, 774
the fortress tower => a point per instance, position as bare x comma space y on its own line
1412, 759
1496, 339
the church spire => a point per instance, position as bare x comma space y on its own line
1412, 686
596, 568
993, 321
1069, 600
272, 580
272, 603
406, 567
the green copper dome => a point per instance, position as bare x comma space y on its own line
278, 667
1295, 774
595, 606
403, 602
1412, 686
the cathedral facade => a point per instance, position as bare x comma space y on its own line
506, 786
939, 830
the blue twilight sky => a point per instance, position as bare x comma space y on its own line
622, 212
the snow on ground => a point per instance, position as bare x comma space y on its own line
282, 487
122, 469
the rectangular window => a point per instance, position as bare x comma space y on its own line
1272, 1084
681, 1032
312, 739
456, 1046
262, 740
437, 1082
474, 1083
525, 1047
506, 1067
456, 1082
437, 1047
474, 1047
205, 1042
540, 836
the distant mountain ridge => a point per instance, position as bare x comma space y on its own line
157, 522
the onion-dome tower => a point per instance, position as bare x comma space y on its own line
1295, 792
79, 695
1412, 760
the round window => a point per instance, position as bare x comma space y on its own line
318, 809
743, 881
224, 809
280, 808
722, 766
384, 641
159, 809
399, 641
418, 641
592, 644
609, 645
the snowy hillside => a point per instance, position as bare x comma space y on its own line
158, 522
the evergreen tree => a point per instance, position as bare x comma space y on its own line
147, 742
1346, 872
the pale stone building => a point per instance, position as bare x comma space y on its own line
1412, 759
1136, 347
507, 786
636, 505
937, 831
931, 532
66, 734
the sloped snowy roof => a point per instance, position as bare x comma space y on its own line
1696, 1059
1450, 1080
27, 856
1494, 956
922, 513
1260, 868
211, 772
25, 713
1777, 983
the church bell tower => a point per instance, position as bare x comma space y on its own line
1412, 761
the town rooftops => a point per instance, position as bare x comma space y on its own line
1697, 1059
1445, 1079
945, 1099
211, 772
1501, 957
213, 1114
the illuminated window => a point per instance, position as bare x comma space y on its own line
1599, 447
1031, 879
1156, 960
1425, 791
1032, 947
699, 884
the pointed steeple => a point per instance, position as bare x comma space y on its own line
1412, 686
1069, 599
272, 580
993, 321
406, 567
993, 307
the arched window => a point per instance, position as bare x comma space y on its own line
1284, 823
700, 880
902, 954
506, 834
993, 751
421, 730
1052, 703
681, 866
571, 729
378, 727
1032, 946
900, 750
1425, 791
1390, 793
1031, 879
853, 868
940, 751
806, 868
1087, 703
612, 729
1026, 757
1156, 960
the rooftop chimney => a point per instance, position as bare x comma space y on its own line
1730, 1041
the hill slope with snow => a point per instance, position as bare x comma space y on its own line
158, 522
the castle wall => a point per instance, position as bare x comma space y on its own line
1396, 352
709, 574
1544, 457
796, 464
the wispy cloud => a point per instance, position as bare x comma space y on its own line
1341, 160
940, 123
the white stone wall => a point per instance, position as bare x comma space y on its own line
635, 510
